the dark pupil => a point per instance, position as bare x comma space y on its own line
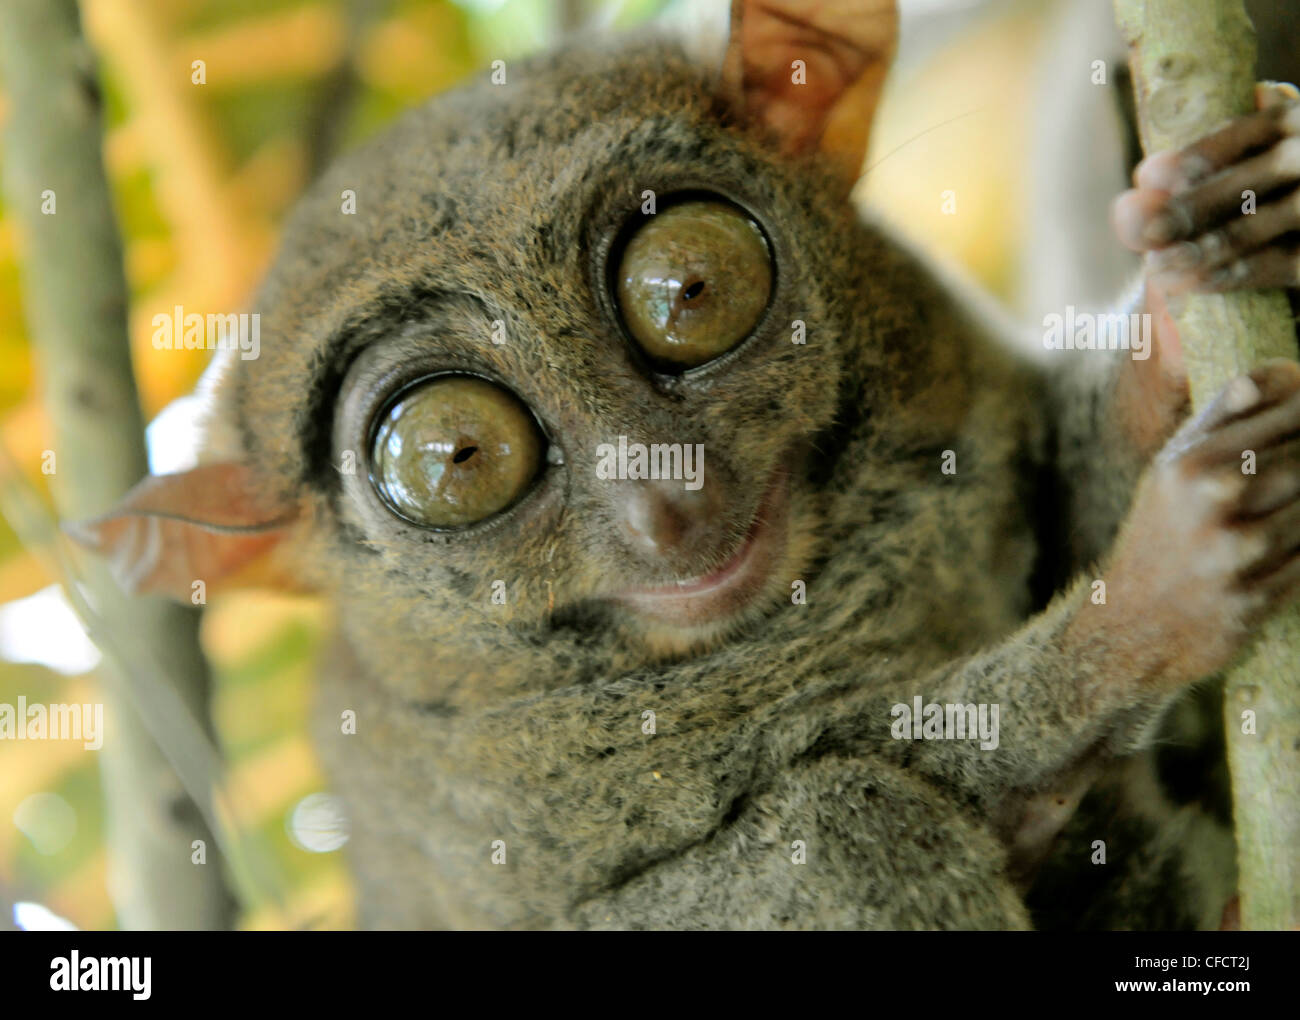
694, 290
464, 455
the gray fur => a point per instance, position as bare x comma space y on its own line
523, 723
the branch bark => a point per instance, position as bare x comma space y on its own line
337, 94
1193, 68
76, 301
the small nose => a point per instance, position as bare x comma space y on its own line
662, 517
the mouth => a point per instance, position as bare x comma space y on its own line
712, 599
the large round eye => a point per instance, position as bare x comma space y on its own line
693, 282
454, 450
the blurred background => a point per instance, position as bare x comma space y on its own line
203, 174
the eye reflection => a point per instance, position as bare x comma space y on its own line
454, 450
693, 282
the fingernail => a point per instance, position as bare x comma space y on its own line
1193, 169
1159, 171
1267, 95
1278, 92
1240, 394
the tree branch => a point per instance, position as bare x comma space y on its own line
1193, 68
76, 301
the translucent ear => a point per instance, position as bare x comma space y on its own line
209, 524
812, 71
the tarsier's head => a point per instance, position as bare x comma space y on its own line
572, 348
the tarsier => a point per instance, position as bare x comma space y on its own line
594, 701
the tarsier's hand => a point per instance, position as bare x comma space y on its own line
1221, 214
1189, 207
1212, 542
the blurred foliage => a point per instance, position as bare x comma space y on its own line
202, 176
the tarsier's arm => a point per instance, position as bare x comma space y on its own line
1117, 411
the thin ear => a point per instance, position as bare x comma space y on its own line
209, 524
812, 72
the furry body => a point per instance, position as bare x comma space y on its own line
525, 722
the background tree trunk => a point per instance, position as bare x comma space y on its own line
76, 303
